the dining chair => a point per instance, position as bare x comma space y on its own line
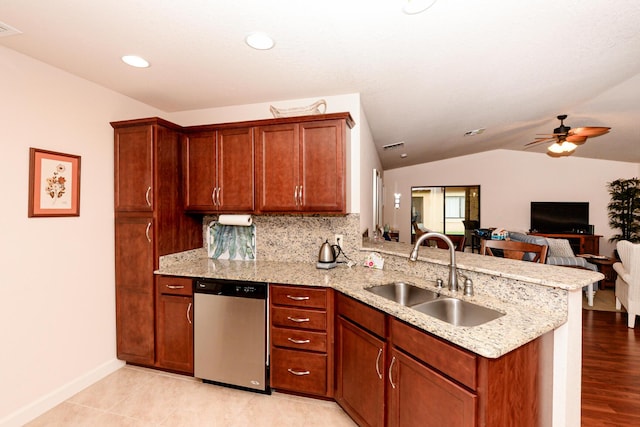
457, 239
514, 250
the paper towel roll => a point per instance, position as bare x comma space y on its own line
244, 220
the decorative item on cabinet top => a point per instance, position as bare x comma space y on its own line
312, 109
232, 237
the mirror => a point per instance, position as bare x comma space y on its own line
445, 209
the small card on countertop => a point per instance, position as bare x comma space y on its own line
374, 260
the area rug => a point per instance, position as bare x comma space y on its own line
604, 300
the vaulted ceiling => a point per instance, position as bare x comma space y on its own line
509, 67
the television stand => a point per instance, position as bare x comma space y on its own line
580, 243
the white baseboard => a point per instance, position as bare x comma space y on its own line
50, 400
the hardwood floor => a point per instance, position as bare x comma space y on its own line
610, 370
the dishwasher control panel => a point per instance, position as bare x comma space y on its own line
231, 288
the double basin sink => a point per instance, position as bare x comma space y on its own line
451, 310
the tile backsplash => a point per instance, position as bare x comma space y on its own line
298, 237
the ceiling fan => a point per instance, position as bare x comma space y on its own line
566, 139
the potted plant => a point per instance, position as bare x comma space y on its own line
624, 209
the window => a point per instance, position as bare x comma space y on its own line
454, 207
445, 208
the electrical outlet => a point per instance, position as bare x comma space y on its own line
339, 239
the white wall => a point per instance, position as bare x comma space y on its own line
369, 160
509, 181
335, 104
57, 315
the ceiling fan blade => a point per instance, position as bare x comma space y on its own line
539, 140
577, 139
589, 131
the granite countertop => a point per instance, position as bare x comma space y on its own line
520, 324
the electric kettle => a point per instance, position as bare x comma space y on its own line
327, 255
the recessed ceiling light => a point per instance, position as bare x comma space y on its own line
413, 7
260, 41
403, 155
135, 61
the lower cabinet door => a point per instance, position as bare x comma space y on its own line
134, 324
299, 371
360, 378
174, 338
418, 396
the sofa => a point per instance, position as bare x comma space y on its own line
560, 253
628, 280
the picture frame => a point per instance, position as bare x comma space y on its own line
54, 184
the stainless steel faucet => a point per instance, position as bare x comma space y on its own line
453, 273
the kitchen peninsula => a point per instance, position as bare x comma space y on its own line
540, 302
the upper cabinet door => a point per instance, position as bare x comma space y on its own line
199, 162
235, 170
278, 168
323, 166
133, 168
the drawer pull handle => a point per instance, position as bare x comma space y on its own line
298, 319
295, 341
146, 196
378, 363
298, 373
297, 298
393, 361
146, 232
175, 286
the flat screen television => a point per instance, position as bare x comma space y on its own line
560, 217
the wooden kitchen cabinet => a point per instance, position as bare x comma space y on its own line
133, 168
149, 223
219, 170
174, 324
393, 374
360, 367
422, 397
134, 289
301, 167
301, 338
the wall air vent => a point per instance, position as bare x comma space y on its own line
8, 30
393, 146
474, 132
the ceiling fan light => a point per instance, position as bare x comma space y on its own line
563, 147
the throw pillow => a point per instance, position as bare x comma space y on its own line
560, 248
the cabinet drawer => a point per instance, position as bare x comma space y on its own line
299, 339
299, 296
299, 371
299, 318
170, 285
446, 358
365, 316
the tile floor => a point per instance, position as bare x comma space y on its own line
141, 397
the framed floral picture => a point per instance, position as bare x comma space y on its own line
54, 184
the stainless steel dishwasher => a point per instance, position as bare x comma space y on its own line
230, 333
